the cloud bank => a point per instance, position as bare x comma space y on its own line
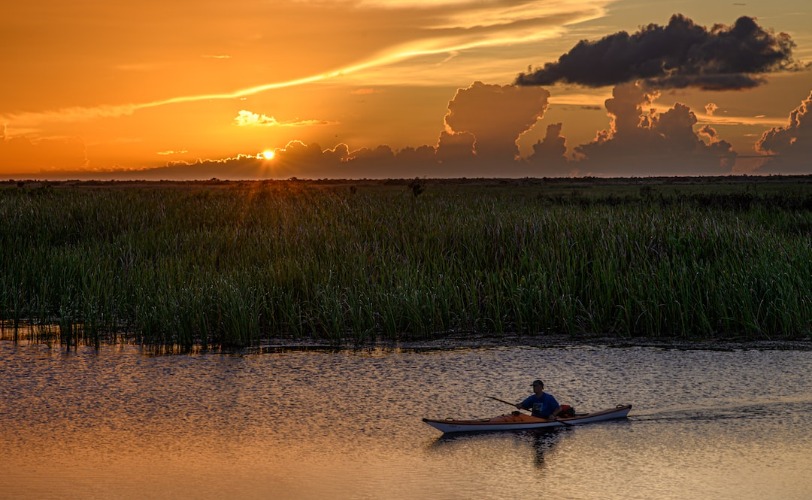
678, 55
479, 142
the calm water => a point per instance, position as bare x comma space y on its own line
122, 424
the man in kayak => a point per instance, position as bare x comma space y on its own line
540, 403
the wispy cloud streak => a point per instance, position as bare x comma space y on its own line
450, 28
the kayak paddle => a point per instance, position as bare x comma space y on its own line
501, 401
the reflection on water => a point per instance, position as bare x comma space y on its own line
120, 424
539, 441
542, 442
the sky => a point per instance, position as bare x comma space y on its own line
197, 89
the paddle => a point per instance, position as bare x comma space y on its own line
502, 401
514, 405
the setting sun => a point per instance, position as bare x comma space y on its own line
268, 154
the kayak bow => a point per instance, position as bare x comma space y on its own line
520, 421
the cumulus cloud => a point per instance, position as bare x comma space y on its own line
549, 154
455, 147
650, 143
678, 55
495, 116
371, 163
298, 159
792, 144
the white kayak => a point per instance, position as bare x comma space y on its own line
521, 421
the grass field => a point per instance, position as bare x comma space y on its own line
233, 264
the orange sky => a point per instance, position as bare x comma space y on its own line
379, 88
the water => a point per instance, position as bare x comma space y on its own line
299, 425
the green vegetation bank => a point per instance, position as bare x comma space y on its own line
234, 264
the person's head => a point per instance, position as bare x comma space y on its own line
538, 386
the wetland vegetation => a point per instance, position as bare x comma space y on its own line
234, 264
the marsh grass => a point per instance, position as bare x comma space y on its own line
235, 264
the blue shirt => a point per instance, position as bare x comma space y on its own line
541, 406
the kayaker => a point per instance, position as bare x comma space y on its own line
540, 403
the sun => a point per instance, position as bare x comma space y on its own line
268, 154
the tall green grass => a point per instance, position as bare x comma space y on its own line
237, 264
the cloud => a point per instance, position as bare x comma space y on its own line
381, 162
710, 108
653, 143
371, 163
304, 161
247, 118
549, 154
296, 159
495, 116
171, 152
681, 54
384, 162
792, 143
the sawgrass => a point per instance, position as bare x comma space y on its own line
237, 264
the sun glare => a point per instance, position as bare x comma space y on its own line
268, 154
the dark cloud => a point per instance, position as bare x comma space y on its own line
681, 54
421, 155
296, 159
643, 144
370, 163
455, 147
549, 154
304, 161
791, 145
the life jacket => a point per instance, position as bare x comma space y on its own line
566, 411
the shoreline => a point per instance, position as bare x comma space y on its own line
454, 342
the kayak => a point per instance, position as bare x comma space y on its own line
521, 421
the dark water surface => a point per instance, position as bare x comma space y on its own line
299, 425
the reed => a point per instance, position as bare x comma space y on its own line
237, 264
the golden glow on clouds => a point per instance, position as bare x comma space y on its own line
126, 80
